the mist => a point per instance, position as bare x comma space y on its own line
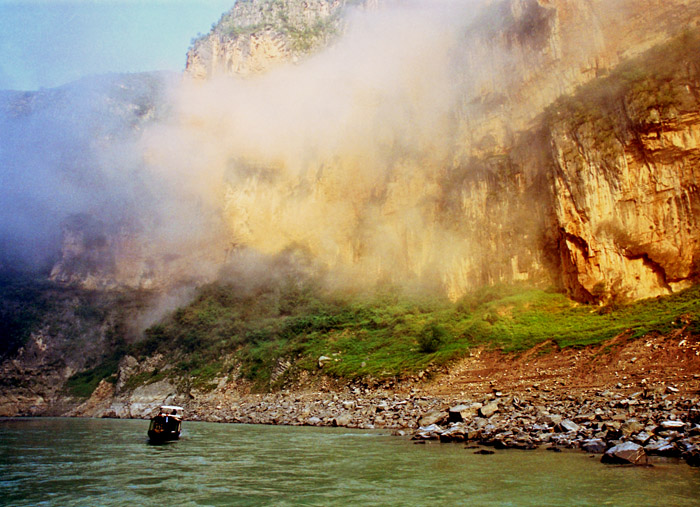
343, 155
340, 154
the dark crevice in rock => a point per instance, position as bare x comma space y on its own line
569, 268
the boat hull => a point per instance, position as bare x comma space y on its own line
159, 437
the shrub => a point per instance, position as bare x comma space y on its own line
431, 338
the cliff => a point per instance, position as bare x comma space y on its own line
49, 332
514, 186
625, 172
257, 35
82, 203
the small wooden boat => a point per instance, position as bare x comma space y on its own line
166, 425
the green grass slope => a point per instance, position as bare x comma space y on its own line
223, 331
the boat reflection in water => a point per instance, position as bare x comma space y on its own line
166, 425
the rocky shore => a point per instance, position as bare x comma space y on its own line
622, 427
636, 402
624, 423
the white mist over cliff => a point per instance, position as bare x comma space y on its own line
411, 149
340, 154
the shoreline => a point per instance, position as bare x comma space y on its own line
641, 393
651, 422
619, 427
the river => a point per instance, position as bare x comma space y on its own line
100, 462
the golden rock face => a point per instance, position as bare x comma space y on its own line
420, 145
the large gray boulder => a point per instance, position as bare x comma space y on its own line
434, 417
594, 446
628, 453
488, 410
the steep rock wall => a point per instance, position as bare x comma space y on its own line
517, 194
626, 179
257, 35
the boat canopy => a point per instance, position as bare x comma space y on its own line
170, 408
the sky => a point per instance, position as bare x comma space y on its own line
47, 43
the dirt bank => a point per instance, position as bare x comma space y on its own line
622, 363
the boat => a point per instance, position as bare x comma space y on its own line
166, 425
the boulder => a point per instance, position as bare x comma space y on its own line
593, 446
627, 453
567, 425
431, 432
433, 428
664, 448
455, 433
631, 427
488, 410
460, 413
552, 419
434, 417
692, 457
613, 434
671, 425
694, 416
642, 438
342, 420
473, 434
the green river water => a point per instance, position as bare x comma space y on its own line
96, 462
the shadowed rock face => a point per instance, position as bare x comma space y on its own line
87, 255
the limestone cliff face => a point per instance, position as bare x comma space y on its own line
98, 255
77, 198
529, 52
626, 180
82, 200
602, 202
618, 215
257, 35
87, 255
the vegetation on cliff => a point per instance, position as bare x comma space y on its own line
274, 335
285, 17
47, 325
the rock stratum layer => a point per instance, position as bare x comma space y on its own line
597, 194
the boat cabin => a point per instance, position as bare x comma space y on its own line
166, 425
